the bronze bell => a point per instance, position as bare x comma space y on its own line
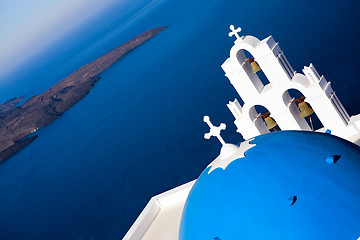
305, 109
255, 66
270, 122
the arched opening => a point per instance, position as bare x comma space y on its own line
292, 98
256, 76
265, 123
240, 100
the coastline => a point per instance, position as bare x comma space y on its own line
16, 123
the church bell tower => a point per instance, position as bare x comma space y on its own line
273, 94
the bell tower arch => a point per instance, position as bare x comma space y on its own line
274, 65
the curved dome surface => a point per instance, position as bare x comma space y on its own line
290, 185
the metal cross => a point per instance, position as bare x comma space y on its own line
234, 32
214, 131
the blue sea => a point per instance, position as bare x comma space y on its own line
140, 131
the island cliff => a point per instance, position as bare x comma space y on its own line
16, 123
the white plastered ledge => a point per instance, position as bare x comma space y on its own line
161, 217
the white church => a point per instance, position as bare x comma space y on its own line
265, 83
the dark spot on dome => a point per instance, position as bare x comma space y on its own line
333, 159
292, 200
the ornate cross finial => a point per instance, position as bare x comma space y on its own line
214, 131
234, 32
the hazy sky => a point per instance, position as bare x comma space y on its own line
28, 26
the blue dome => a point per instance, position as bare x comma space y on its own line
291, 185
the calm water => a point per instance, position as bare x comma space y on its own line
140, 131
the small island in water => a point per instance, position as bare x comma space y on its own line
18, 122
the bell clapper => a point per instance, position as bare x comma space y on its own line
312, 126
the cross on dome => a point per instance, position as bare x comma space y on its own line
234, 32
214, 131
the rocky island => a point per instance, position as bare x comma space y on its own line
17, 123
10, 104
